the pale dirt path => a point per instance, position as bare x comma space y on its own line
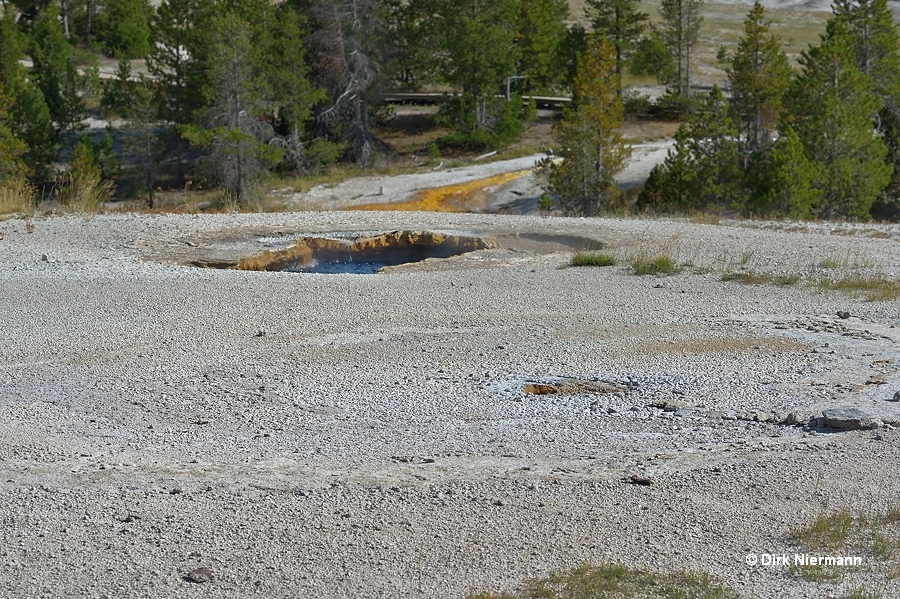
519, 196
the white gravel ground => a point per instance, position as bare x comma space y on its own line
367, 435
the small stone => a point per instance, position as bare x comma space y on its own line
843, 315
259, 334
637, 479
45, 258
794, 419
670, 405
199, 575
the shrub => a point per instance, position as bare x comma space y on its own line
637, 105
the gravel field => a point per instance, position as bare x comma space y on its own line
313, 435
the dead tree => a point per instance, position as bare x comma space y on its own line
347, 63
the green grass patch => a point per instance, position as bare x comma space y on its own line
662, 264
754, 278
862, 594
827, 533
619, 582
593, 259
873, 288
874, 537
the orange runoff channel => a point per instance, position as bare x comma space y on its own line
470, 196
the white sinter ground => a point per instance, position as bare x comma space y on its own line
367, 435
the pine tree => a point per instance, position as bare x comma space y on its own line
233, 135
284, 72
713, 145
124, 28
542, 29
54, 70
142, 137
31, 123
680, 29
621, 22
875, 42
672, 186
832, 108
651, 57
12, 150
785, 182
877, 49
29, 116
479, 55
182, 39
411, 62
759, 76
589, 138
12, 45
569, 50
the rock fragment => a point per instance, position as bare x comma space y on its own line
637, 479
199, 575
670, 405
847, 419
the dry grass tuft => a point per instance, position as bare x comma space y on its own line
84, 192
17, 196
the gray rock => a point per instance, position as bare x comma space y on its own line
793, 419
686, 412
670, 405
199, 575
847, 419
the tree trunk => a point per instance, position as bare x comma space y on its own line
89, 24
